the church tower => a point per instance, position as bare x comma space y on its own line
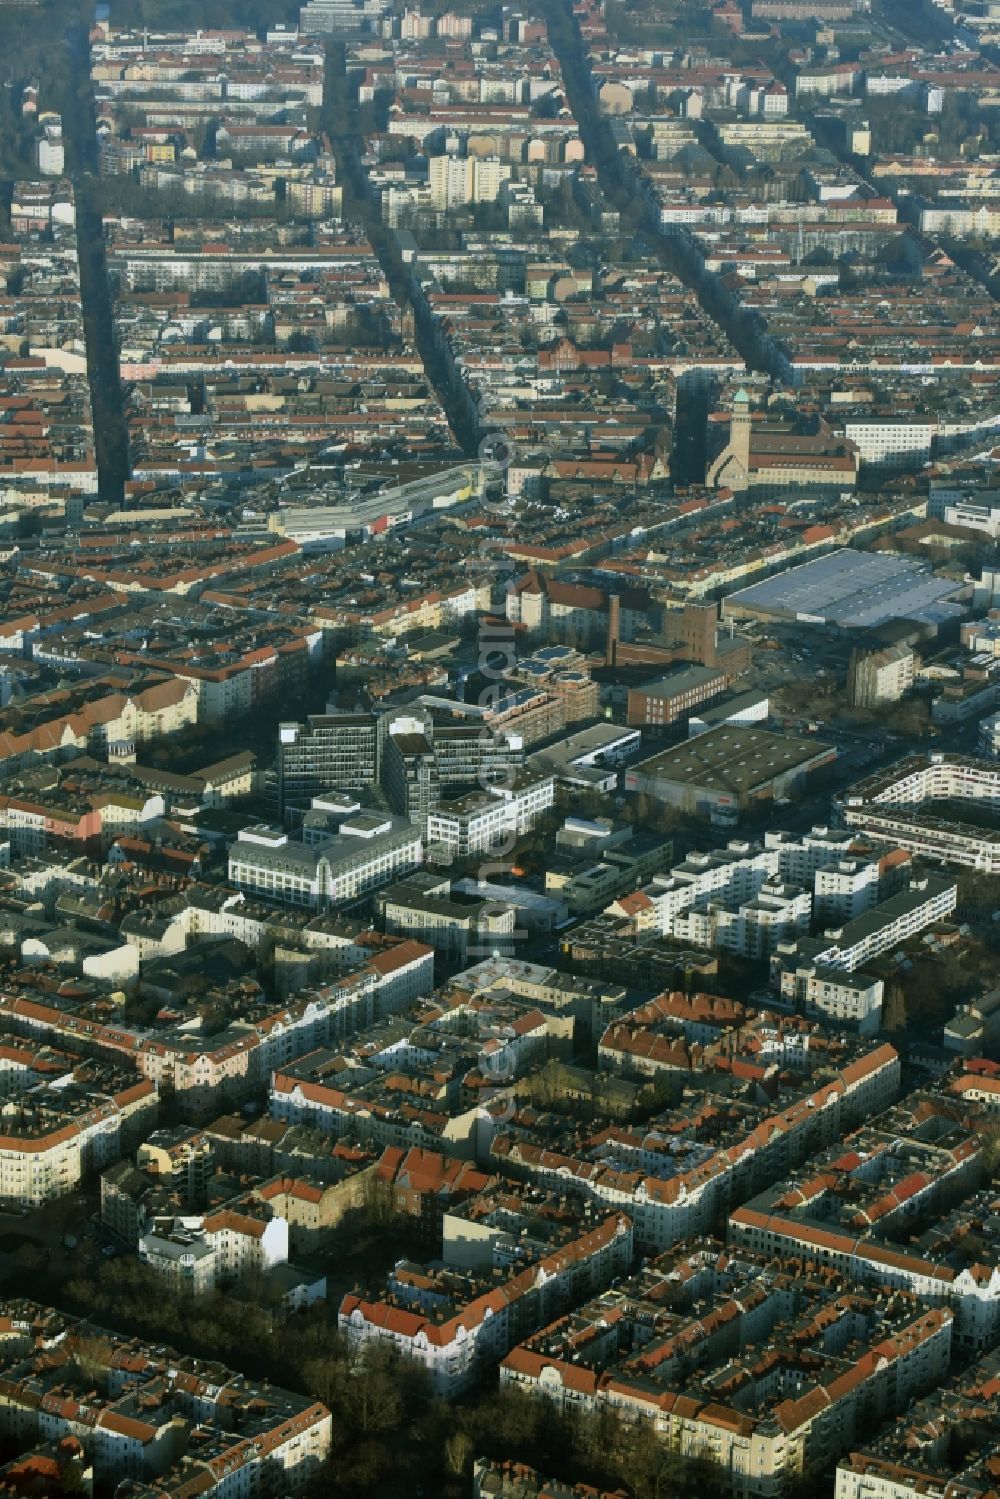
739, 431
731, 470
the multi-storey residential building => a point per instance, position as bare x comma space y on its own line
181, 1155
914, 1456
204, 1074
459, 1336
753, 928
54, 1136
879, 1212
884, 927
890, 805
853, 999
583, 1003
846, 888
310, 1093
700, 899
795, 1409
766, 140
163, 1425
665, 1208
880, 676
974, 1029
201, 1072
455, 1058
458, 180
674, 1033
209, 1251
457, 926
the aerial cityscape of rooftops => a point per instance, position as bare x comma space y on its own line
500, 749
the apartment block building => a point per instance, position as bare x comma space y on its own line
880, 676
472, 1335
770, 1435
908, 1169
852, 999
457, 926
926, 900
53, 1137
165, 1424
752, 928
665, 1210
456, 181
700, 899
914, 1456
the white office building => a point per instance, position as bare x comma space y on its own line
370, 850
484, 822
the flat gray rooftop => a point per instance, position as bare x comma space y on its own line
735, 702
856, 590
732, 758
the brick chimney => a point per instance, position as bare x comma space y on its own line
614, 627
